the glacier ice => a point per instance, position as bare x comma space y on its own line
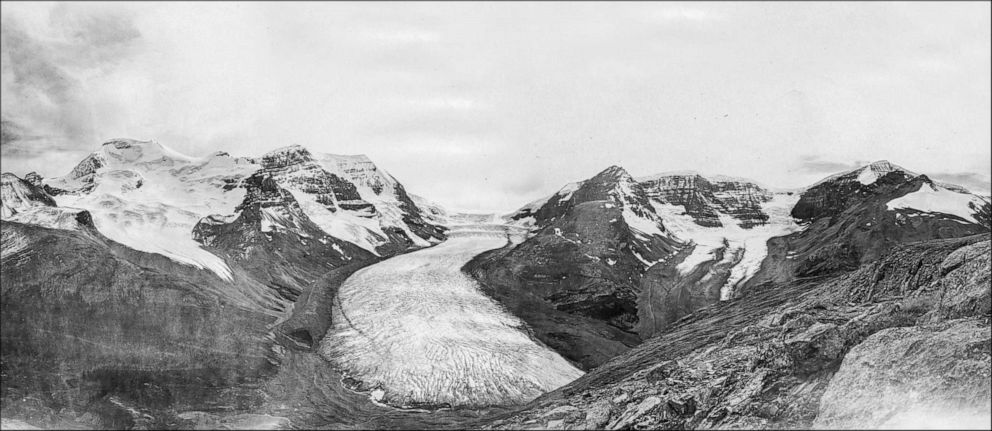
420, 331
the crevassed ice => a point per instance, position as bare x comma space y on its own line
747, 245
419, 330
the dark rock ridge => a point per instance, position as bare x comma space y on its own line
705, 198
768, 359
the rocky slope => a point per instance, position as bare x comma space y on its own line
96, 334
768, 359
575, 280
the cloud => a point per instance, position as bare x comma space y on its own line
977, 183
48, 105
817, 165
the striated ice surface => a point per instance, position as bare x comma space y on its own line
417, 330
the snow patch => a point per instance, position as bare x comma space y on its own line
937, 199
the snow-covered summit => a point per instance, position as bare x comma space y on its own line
148, 196
867, 174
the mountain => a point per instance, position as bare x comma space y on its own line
856, 217
575, 280
350, 198
274, 240
24, 202
148, 289
877, 265
145, 283
718, 238
150, 197
901, 342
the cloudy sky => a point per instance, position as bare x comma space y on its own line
486, 106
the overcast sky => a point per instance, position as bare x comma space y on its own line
486, 106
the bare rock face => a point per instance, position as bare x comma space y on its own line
916, 377
295, 167
704, 199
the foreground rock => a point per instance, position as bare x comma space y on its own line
916, 377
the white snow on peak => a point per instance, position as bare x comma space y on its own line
376, 187
870, 173
148, 197
938, 199
50, 217
119, 152
14, 196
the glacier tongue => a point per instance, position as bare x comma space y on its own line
417, 331
748, 245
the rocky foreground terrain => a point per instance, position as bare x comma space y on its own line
147, 289
901, 342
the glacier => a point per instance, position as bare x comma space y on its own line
416, 331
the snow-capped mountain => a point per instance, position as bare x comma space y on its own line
150, 197
23, 202
721, 216
576, 279
856, 216
352, 199
17, 195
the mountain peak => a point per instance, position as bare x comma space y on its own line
130, 151
286, 156
614, 173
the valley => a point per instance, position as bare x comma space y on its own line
147, 288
